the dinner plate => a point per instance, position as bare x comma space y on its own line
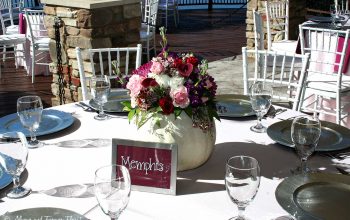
234, 106
315, 196
333, 136
322, 19
42, 213
51, 122
113, 104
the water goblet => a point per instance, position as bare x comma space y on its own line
242, 181
112, 189
334, 10
260, 97
305, 133
100, 89
29, 110
13, 158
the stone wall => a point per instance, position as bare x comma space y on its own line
116, 26
297, 13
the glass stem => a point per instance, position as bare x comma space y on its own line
241, 212
100, 110
32, 136
15, 182
258, 124
303, 165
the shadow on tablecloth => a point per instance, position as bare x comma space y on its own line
276, 161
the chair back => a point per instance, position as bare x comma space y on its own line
35, 22
271, 68
327, 48
116, 63
258, 31
150, 14
277, 19
9, 11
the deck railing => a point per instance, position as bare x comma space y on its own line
210, 3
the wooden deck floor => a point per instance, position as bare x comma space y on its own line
213, 35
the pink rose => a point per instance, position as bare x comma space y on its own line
180, 97
135, 84
157, 67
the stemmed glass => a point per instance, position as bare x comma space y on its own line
13, 158
334, 10
29, 110
242, 181
100, 89
260, 97
305, 133
112, 189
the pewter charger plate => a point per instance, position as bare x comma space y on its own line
113, 104
42, 213
315, 196
51, 122
333, 136
234, 106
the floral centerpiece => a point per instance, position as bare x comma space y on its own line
173, 96
172, 84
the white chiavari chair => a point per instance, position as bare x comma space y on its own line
39, 41
277, 22
148, 27
100, 61
278, 75
326, 78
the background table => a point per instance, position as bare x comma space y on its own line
61, 174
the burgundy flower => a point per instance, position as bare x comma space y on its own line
149, 82
177, 62
192, 60
185, 69
167, 105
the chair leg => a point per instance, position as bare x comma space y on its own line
33, 65
338, 110
316, 105
4, 54
175, 19
154, 45
148, 53
166, 18
15, 56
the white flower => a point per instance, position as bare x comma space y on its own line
162, 80
133, 102
175, 82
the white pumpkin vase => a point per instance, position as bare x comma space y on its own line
194, 144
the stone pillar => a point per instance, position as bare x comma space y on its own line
87, 24
297, 13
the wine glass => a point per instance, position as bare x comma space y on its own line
242, 181
29, 110
13, 158
334, 10
305, 133
100, 88
260, 97
112, 189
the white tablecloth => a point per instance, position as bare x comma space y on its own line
61, 175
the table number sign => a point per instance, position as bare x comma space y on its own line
152, 166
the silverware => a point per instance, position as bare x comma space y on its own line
342, 171
338, 156
86, 107
272, 112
